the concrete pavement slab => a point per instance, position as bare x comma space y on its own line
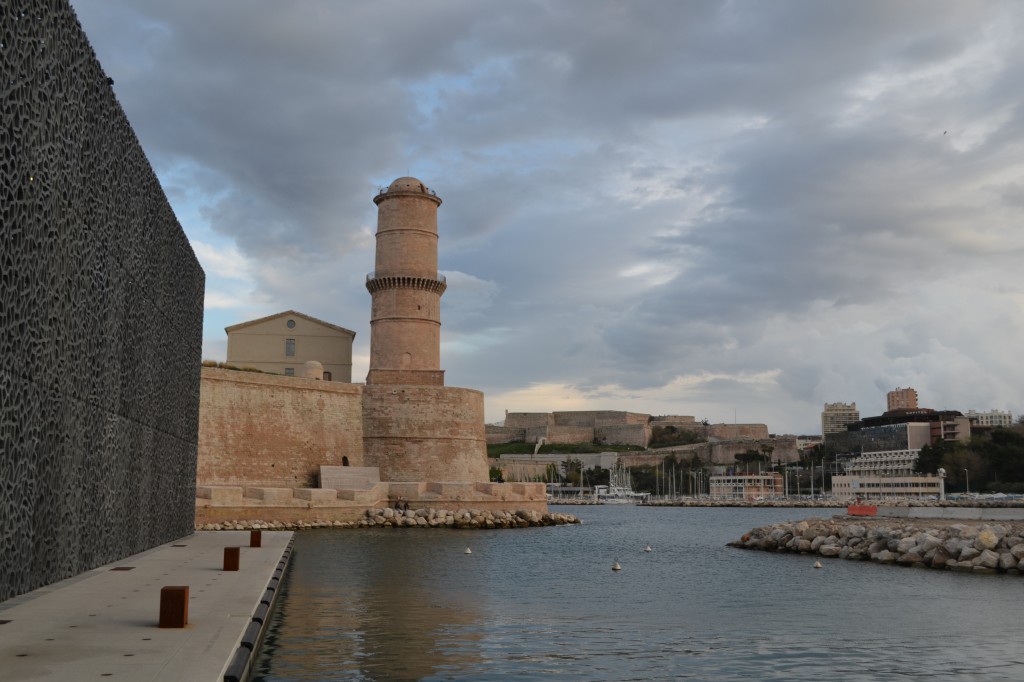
102, 624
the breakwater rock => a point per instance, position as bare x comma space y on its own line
978, 548
413, 518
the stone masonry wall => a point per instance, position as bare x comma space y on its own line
570, 434
598, 418
425, 433
729, 431
625, 434
527, 420
275, 431
101, 307
504, 434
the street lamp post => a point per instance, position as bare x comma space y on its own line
967, 478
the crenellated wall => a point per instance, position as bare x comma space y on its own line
101, 308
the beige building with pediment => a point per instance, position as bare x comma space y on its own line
283, 343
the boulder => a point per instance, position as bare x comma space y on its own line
986, 540
940, 557
987, 559
929, 542
909, 559
905, 545
955, 545
852, 531
829, 550
969, 554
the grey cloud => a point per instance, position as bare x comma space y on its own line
576, 143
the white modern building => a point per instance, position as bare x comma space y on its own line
990, 418
885, 467
746, 486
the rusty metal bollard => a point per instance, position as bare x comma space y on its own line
174, 606
231, 557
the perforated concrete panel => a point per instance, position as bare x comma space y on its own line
101, 305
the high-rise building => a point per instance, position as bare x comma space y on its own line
901, 399
837, 416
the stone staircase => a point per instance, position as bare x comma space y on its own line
357, 484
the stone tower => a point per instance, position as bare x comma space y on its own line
405, 322
415, 429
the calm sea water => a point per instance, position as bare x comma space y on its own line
543, 603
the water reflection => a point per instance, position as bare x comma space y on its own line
544, 603
396, 605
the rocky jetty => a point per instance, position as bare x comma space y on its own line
975, 547
413, 518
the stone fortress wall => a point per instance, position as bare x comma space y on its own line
403, 435
275, 431
719, 453
101, 306
608, 426
425, 433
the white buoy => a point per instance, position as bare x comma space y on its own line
616, 567
648, 549
817, 564
468, 551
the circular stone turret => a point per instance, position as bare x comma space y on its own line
405, 319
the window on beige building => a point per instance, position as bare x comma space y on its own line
289, 348
289, 371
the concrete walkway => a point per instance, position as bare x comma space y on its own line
102, 624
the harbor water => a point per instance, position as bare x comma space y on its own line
543, 603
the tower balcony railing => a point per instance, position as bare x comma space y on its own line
370, 276
436, 284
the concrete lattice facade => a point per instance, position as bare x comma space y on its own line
283, 343
101, 306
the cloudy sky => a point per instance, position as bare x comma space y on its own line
733, 210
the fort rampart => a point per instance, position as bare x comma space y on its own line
101, 306
425, 433
270, 430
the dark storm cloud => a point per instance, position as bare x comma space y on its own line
713, 203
